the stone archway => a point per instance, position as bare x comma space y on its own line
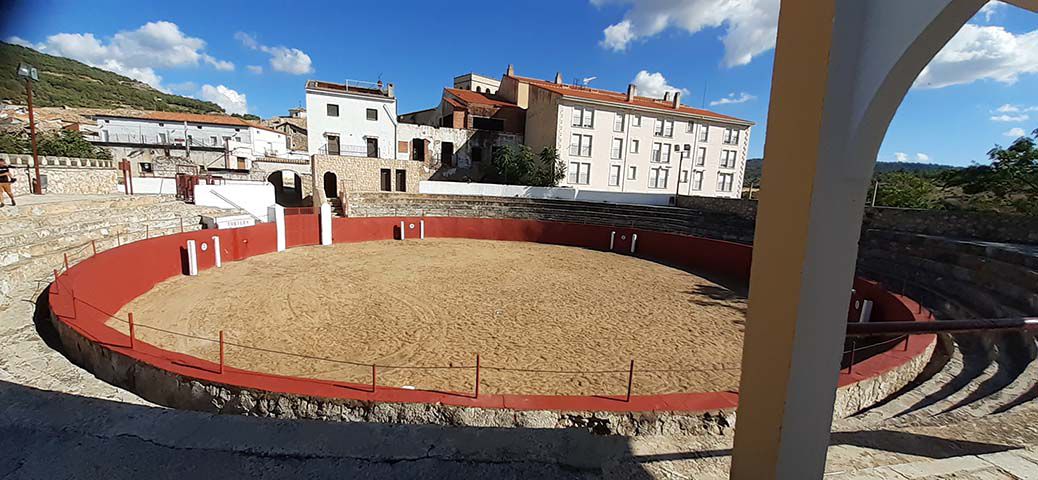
331, 185
288, 188
842, 68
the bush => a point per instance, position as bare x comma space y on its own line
517, 165
62, 143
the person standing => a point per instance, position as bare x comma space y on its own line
6, 179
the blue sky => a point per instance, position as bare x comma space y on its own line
255, 56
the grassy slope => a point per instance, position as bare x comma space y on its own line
66, 82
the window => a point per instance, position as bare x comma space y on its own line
637, 121
161, 124
579, 173
482, 123
401, 180
163, 138
583, 117
333, 110
212, 140
697, 180
704, 133
728, 158
614, 175
700, 156
616, 149
686, 151
690, 127
724, 182
618, 122
664, 128
634, 146
632, 172
683, 177
658, 177
477, 154
580, 145
386, 180
660, 153
332, 145
731, 136
371, 113
199, 127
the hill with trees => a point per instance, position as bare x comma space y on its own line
67, 83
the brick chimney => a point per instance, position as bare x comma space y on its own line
666, 96
510, 71
631, 92
558, 78
677, 100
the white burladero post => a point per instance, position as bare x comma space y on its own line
403, 236
612, 239
421, 232
192, 258
634, 241
326, 224
276, 214
216, 251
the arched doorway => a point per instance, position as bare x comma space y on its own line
288, 188
331, 185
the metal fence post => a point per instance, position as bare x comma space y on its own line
221, 352
133, 334
372, 378
477, 375
630, 380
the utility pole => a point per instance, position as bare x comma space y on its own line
29, 73
875, 193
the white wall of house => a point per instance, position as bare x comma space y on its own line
253, 197
351, 125
557, 193
633, 166
268, 143
155, 132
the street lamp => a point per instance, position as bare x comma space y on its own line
28, 72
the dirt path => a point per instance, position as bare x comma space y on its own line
436, 303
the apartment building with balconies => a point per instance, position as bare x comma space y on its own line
622, 142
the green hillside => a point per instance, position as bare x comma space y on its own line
66, 82
754, 165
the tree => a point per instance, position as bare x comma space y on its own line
68, 143
1012, 177
907, 190
13, 144
517, 165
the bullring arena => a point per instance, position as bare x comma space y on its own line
441, 320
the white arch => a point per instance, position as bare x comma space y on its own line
842, 68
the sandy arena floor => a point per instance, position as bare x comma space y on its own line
436, 303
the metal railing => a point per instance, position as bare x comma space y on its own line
346, 150
167, 140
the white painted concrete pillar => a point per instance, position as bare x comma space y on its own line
841, 69
192, 258
326, 224
403, 229
216, 251
612, 240
634, 241
276, 214
421, 233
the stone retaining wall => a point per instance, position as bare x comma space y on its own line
67, 175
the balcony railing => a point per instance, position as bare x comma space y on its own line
160, 140
346, 150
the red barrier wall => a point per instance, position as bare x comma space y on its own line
111, 279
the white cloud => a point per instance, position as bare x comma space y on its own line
743, 97
136, 53
282, 59
654, 85
901, 156
15, 40
982, 53
1010, 118
905, 157
1011, 108
750, 25
922, 157
990, 9
254, 69
1016, 132
230, 100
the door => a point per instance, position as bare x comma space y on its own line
372, 147
333, 144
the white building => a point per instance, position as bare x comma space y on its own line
352, 118
616, 142
234, 142
477, 83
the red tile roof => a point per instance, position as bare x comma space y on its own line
468, 96
191, 118
621, 98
